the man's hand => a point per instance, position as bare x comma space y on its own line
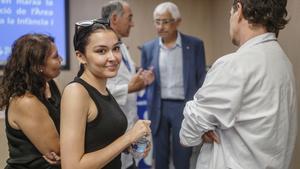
140, 80
137, 82
210, 137
148, 76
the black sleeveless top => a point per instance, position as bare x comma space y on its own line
22, 153
109, 124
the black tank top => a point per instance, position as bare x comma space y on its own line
22, 153
109, 124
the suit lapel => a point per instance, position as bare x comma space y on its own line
186, 54
156, 61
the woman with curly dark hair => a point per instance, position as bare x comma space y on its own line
32, 100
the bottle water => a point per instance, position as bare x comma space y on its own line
139, 147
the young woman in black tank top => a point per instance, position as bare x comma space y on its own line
31, 99
92, 124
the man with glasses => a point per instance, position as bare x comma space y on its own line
248, 98
127, 83
179, 68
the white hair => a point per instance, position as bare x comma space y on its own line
167, 7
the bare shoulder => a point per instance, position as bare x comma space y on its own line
75, 104
26, 108
26, 102
75, 90
75, 98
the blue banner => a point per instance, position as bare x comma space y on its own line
143, 114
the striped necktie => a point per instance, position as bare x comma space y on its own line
125, 55
126, 62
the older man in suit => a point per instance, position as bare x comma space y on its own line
178, 62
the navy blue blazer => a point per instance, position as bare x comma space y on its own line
194, 70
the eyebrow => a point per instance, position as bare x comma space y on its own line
118, 43
53, 53
103, 46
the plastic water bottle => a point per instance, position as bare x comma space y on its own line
139, 147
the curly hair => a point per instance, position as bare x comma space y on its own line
22, 71
269, 13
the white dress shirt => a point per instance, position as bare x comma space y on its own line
248, 98
118, 86
171, 70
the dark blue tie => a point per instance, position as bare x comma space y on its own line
126, 63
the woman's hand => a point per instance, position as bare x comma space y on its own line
147, 150
141, 128
52, 158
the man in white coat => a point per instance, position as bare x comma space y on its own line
245, 112
128, 82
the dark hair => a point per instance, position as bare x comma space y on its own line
81, 36
22, 70
83, 33
269, 13
112, 6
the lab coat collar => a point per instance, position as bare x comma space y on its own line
258, 39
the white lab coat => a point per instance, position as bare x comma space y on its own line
118, 86
249, 99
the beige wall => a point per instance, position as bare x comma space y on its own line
3, 145
289, 39
206, 19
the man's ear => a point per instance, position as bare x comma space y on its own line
240, 11
80, 57
113, 18
178, 21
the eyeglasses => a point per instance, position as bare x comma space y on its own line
83, 25
88, 23
163, 21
